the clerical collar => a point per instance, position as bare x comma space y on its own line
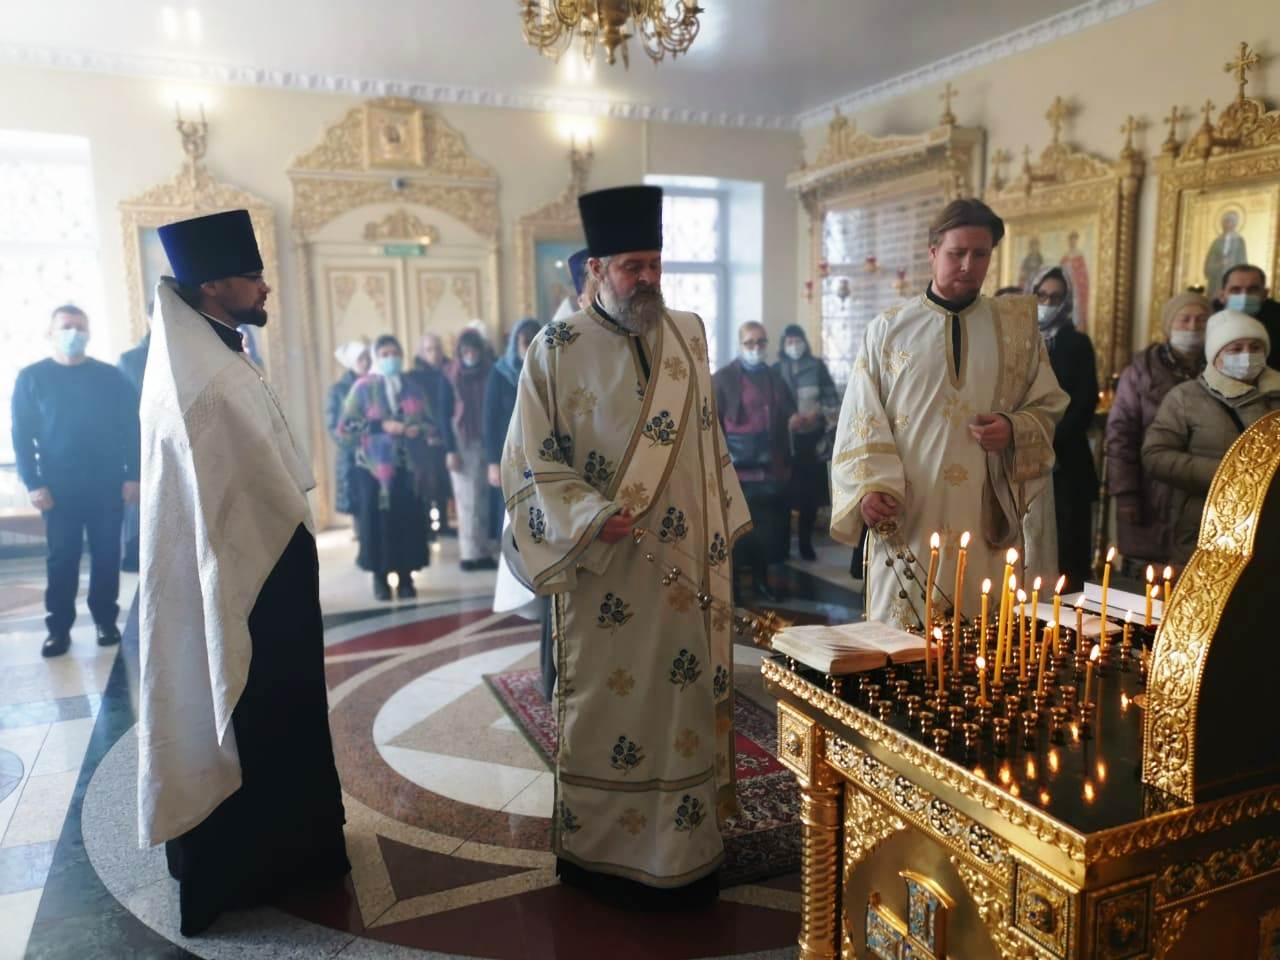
229, 335
951, 306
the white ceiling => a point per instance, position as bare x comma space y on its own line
755, 63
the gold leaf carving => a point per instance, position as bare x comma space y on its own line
400, 224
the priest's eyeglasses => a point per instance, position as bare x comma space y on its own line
756, 342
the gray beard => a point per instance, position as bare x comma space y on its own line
640, 312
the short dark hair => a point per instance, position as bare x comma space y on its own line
70, 308
1245, 266
966, 212
387, 340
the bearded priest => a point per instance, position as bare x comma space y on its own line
615, 429
235, 764
947, 423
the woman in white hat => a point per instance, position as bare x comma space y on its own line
1199, 420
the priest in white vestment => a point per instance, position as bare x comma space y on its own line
235, 764
947, 425
615, 427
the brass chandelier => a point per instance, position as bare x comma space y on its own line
664, 26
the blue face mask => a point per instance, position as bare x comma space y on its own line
390, 366
72, 342
1249, 303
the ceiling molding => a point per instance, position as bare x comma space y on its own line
195, 71
1018, 41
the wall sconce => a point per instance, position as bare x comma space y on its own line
577, 130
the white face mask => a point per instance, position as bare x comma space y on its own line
752, 356
1244, 367
1046, 314
1187, 341
794, 351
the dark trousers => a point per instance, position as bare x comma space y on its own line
98, 514
767, 541
1073, 508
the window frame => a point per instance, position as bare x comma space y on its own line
719, 267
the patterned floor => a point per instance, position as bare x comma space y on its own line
446, 801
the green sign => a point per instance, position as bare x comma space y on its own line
403, 249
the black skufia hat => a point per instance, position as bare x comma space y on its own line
622, 219
211, 248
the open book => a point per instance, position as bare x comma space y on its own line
849, 647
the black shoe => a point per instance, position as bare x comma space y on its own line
484, 563
55, 645
406, 590
467, 565
108, 635
806, 552
381, 589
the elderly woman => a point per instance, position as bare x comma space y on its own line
387, 419
354, 358
500, 395
1075, 479
469, 374
1143, 522
812, 429
1199, 420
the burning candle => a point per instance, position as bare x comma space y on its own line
1094, 654
1151, 576
1106, 585
942, 661
1006, 617
955, 621
1010, 558
981, 664
1128, 626
1034, 610
1057, 616
1079, 625
934, 543
1006, 658
1044, 657
1168, 584
982, 622
1022, 635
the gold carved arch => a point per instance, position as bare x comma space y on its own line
557, 219
1055, 192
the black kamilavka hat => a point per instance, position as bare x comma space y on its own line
211, 248
622, 220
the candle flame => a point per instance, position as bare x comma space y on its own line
1015, 790
1062, 582
1128, 617
937, 634
1124, 702
964, 540
1006, 776
935, 542
1111, 554
1011, 557
1022, 596
981, 663
1168, 573
1035, 584
1151, 573
1089, 793
1044, 798
986, 586
980, 773
1102, 772
1095, 653
1053, 760
1051, 624
1080, 605
1031, 768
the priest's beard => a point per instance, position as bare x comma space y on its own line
251, 316
637, 313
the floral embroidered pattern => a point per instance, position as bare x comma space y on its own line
626, 756
955, 475
568, 822
675, 368
860, 365
614, 612
901, 422
672, 529
557, 449
537, 525
862, 425
706, 414
685, 669
698, 349
597, 470
559, 334
690, 814
897, 361
634, 497
720, 683
660, 430
718, 550
956, 411
687, 743
574, 494
719, 619
581, 404
860, 471
680, 598
633, 821
621, 682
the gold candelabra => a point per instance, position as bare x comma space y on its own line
664, 26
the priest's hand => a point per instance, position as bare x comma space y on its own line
993, 432
393, 427
617, 527
130, 493
495, 475
42, 499
877, 508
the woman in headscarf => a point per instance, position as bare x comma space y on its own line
1144, 523
500, 395
1075, 478
353, 356
812, 429
388, 419
468, 372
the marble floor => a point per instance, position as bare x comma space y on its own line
447, 802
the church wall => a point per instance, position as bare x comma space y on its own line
255, 134
1142, 63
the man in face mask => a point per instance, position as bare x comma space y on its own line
1244, 289
75, 437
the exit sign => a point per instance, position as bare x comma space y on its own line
404, 249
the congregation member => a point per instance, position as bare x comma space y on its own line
235, 763
75, 440
1144, 524
756, 409
584, 286
1075, 478
133, 364
442, 450
353, 357
1244, 289
388, 421
615, 427
948, 420
468, 374
812, 429
1199, 420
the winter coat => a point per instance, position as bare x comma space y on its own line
1192, 432
1072, 358
345, 457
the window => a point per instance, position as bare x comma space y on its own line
48, 252
694, 271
